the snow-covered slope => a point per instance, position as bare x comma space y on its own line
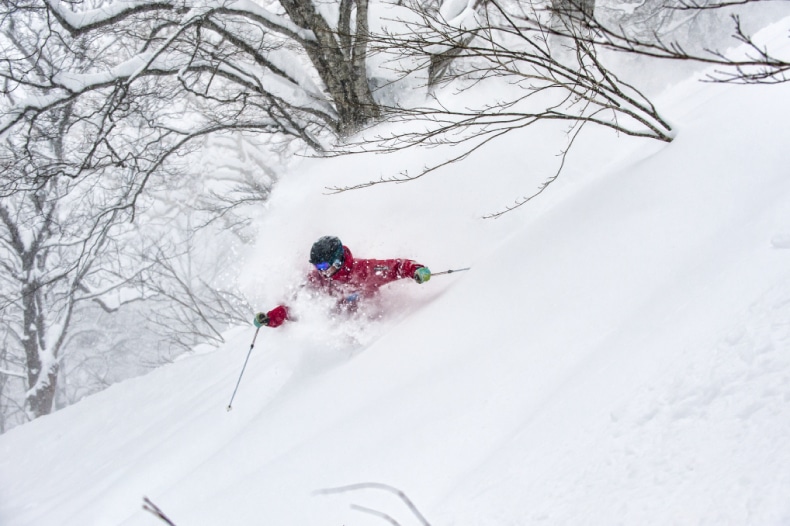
618, 354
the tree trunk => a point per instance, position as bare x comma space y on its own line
41, 392
342, 70
41, 400
574, 12
440, 62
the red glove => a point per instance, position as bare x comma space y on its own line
273, 318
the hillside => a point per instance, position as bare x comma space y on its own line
618, 354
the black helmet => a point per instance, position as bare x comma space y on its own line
328, 249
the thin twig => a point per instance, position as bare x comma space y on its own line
378, 486
156, 511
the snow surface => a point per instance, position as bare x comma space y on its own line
618, 354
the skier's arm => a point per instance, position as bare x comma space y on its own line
388, 270
273, 318
406, 268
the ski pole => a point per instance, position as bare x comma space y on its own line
230, 404
450, 271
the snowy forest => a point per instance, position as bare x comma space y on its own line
611, 174
140, 139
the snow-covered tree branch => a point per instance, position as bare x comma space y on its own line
562, 59
554, 70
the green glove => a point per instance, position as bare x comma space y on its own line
261, 319
422, 274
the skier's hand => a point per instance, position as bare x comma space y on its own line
422, 274
261, 319
274, 318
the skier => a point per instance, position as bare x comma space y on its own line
340, 275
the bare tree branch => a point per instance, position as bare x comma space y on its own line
157, 512
382, 487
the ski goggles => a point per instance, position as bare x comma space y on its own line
327, 269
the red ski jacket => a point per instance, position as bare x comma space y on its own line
362, 277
